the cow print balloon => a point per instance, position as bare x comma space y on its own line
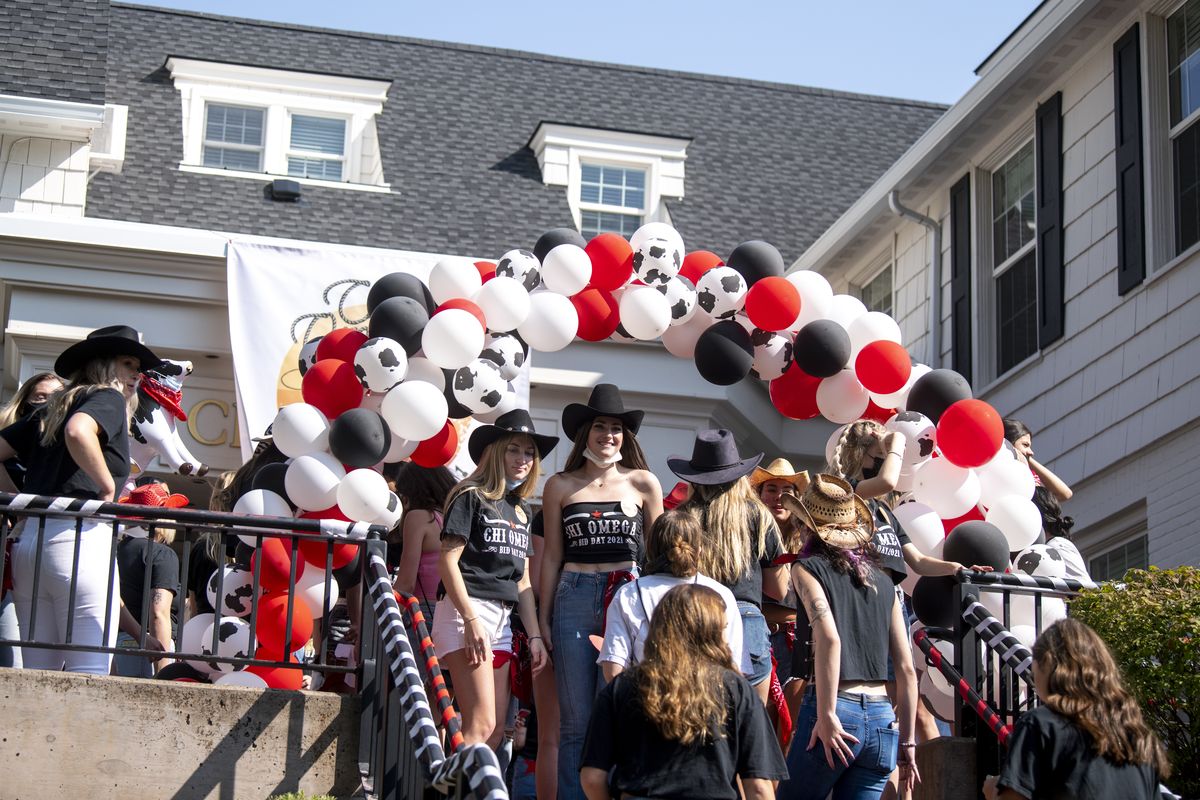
681, 293
380, 364
308, 355
1041, 560
521, 265
772, 353
721, 292
479, 386
658, 260
919, 433
237, 590
233, 641
507, 352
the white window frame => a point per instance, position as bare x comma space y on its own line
344, 158
281, 93
888, 263
642, 213
562, 149
205, 142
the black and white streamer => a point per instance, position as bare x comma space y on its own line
999, 640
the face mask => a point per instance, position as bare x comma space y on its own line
872, 470
513, 483
601, 462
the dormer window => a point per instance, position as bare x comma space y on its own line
611, 199
233, 138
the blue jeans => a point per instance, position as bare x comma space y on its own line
871, 720
756, 638
524, 781
578, 614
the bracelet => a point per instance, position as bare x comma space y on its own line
471, 619
531, 638
908, 744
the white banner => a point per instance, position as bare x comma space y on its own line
282, 296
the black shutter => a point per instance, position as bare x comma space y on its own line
960, 277
1131, 225
1049, 160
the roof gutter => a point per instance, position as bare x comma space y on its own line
935, 274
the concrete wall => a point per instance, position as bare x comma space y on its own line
71, 736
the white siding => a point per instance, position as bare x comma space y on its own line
48, 176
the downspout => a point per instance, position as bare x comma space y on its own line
935, 274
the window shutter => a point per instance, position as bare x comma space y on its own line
960, 276
1049, 220
1131, 225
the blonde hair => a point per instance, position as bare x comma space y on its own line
852, 448
489, 478
97, 374
632, 456
220, 500
680, 681
673, 544
18, 406
737, 524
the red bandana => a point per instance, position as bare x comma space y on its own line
166, 397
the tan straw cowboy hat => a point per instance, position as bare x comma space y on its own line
780, 470
831, 508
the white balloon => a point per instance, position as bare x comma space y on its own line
380, 363
658, 253
1041, 560
310, 590
551, 324
870, 327
453, 277
311, 481
566, 269
844, 309
721, 293
922, 524
400, 449
816, 297
681, 296
237, 589
261, 503
949, 490
421, 369
919, 435
372, 402
504, 302
233, 641
1003, 476
300, 429
415, 410
363, 495
841, 398
772, 353
645, 312
506, 352
479, 386
248, 680
937, 692
391, 514
1017, 518
899, 399
189, 640
452, 338
1022, 609
680, 340
653, 230
508, 402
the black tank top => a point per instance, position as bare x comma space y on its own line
596, 533
863, 616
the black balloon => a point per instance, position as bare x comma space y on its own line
977, 543
937, 390
400, 284
359, 438
821, 348
270, 478
402, 319
756, 260
724, 353
553, 238
456, 410
933, 601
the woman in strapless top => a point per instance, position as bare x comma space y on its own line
423, 492
594, 513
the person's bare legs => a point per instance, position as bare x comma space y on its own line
501, 689
475, 695
545, 699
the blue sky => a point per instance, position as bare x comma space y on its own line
922, 49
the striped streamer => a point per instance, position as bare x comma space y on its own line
1062, 585
968, 695
999, 640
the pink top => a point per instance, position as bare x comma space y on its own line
428, 576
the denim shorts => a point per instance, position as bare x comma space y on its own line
756, 638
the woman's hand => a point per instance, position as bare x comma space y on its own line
989, 787
537, 652
544, 627
834, 738
479, 650
910, 776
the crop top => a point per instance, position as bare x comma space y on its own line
596, 533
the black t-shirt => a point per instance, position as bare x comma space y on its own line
51, 470
889, 540
200, 570
1049, 757
748, 587
497, 543
863, 615
134, 557
647, 765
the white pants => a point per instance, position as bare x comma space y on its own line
53, 600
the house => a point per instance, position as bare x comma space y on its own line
1053, 210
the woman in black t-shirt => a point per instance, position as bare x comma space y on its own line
77, 446
682, 722
485, 569
1088, 739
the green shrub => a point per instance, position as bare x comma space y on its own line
1151, 622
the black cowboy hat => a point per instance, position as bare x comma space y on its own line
605, 401
115, 340
515, 421
715, 460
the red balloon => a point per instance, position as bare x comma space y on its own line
698, 262
612, 261
878, 413
969, 433
883, 367
773, 303
951, 524
794, 394
437, 450
279, 677
598, 312
332, 386
340, 344
271, 621
275, 555
314, 551
487, 270
463, 304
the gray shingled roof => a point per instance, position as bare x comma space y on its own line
54, 49
766, 161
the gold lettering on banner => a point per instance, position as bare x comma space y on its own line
193, 424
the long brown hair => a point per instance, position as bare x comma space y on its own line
1083, 684
632, 456
18, 406
489, 479
680, 679
97, 374
737, 525
673, 544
